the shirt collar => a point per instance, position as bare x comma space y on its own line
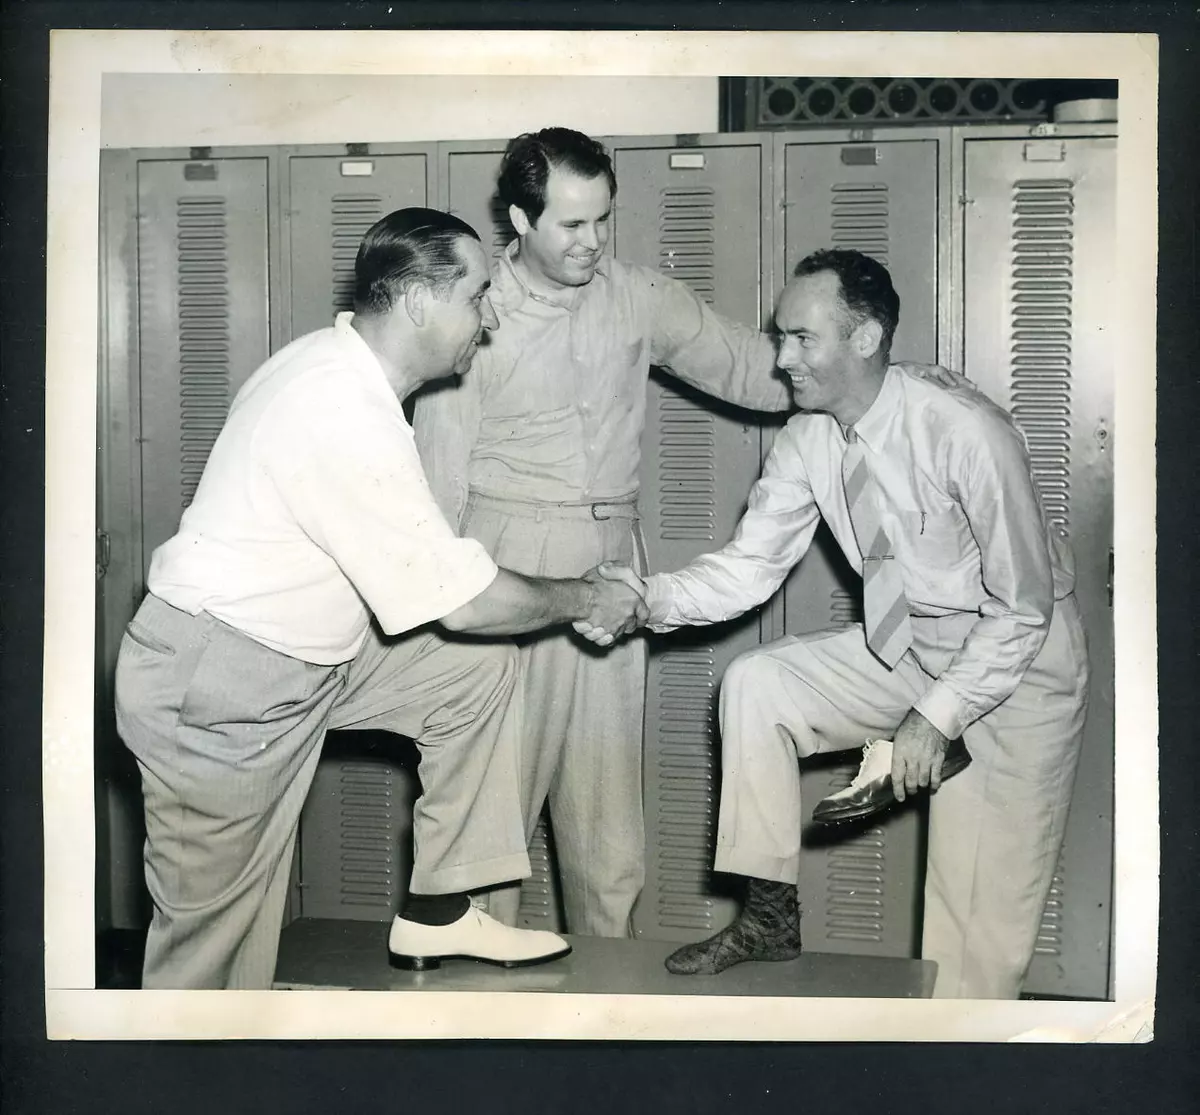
509, 290
362, 357
872, 427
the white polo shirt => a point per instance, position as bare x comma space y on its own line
313, 512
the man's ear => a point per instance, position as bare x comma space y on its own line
416, 301
868, 337
520, 221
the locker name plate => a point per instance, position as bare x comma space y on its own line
687, 160
359, 169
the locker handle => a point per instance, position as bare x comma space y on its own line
1110, 578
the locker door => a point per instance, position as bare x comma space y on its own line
471, 189
332, 201
695, 214
203, 318
1039, 234
860, 893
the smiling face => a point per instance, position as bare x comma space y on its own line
826, 355
456, 320
562, 249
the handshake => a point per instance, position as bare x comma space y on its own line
618, 604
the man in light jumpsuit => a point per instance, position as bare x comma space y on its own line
971, 630
536, 455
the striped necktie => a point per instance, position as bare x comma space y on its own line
885, 609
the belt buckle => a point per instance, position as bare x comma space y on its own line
596, 512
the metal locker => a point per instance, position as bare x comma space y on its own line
881, 198
356, 828
1038, 228
470, 193
204, 320
695, 213
356, 825
331, 200
185, 318
860, 892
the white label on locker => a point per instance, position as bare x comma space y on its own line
687, 160
358, 170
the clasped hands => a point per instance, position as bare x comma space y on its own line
618, 604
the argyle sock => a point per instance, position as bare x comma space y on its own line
768, 928
435, 909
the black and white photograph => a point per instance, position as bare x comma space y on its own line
601, 535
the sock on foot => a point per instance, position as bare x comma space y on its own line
435, 909
768, 928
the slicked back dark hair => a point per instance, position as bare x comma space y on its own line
529, 158
406, 247
867, 290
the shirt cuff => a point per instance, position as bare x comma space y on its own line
944, 709
658, 602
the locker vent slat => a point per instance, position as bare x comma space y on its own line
202, 262
1050, 932
687, 237
845, 608
854, 880
688, 471
859, 218
1040, 294
538, 903
352, 214
366, 838
686, 805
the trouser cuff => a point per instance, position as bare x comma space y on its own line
471, 876
740, 861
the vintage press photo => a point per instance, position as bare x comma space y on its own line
422, 117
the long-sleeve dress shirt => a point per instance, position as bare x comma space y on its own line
960, 506
553, 406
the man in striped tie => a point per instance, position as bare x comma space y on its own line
971, 630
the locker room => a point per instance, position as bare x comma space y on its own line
1000, 238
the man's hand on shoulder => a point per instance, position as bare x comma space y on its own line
944, 377
918, 752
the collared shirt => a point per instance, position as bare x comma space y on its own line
313, 512
960, 506
553, 406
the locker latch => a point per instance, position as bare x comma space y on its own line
1110, 578
1045, 152
103, 553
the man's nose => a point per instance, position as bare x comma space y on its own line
589, 237
487, 313
789, 351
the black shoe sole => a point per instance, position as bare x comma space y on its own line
431, 963
856, 812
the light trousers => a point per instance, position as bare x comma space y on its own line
581, 749
227, 734
995, 830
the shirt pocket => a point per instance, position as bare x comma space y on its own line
930, 542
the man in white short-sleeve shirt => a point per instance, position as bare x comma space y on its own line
310, 586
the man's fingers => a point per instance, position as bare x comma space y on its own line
935, 772
898, 769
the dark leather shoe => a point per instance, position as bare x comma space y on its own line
871, 791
